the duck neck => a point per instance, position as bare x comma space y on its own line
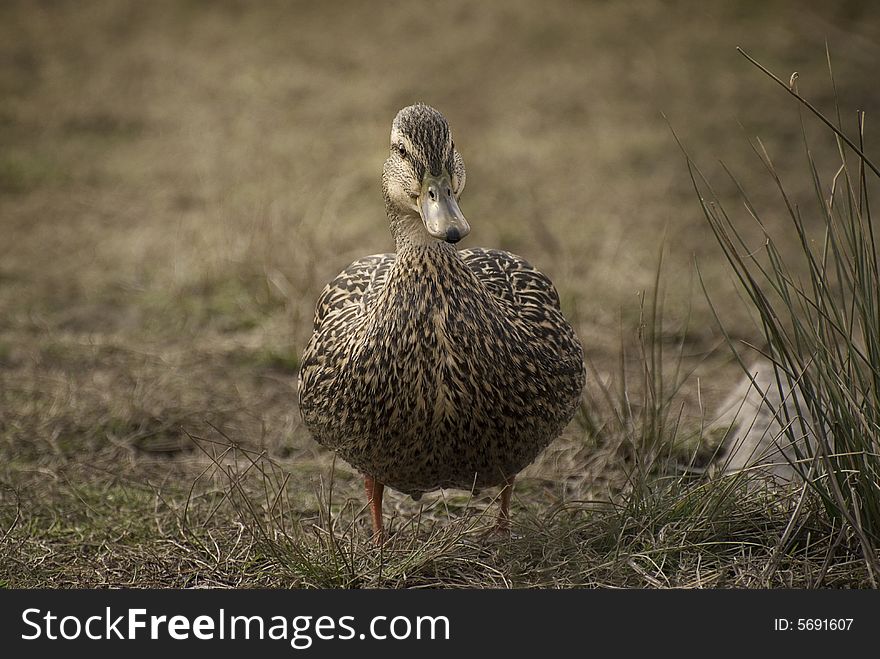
425, 270
408, 230
425, 260
425, 274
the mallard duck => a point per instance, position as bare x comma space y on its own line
432, 367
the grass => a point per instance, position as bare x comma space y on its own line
19, 173
820, 323
170, 213
242, 523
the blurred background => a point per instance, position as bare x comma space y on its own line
178, 181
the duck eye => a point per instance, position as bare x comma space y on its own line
401, 150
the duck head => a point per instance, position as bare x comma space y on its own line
423, 178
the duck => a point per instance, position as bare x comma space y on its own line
435, 367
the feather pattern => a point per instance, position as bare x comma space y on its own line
434, 368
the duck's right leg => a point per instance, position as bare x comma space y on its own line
375, 489
502, 523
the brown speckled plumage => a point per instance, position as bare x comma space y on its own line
434, 367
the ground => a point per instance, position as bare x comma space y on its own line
178, 180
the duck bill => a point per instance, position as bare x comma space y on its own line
439, 210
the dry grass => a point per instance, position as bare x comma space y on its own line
178, 181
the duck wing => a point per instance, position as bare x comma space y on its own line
514, 282
352, 291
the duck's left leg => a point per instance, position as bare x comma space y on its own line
375, 489
502, 524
